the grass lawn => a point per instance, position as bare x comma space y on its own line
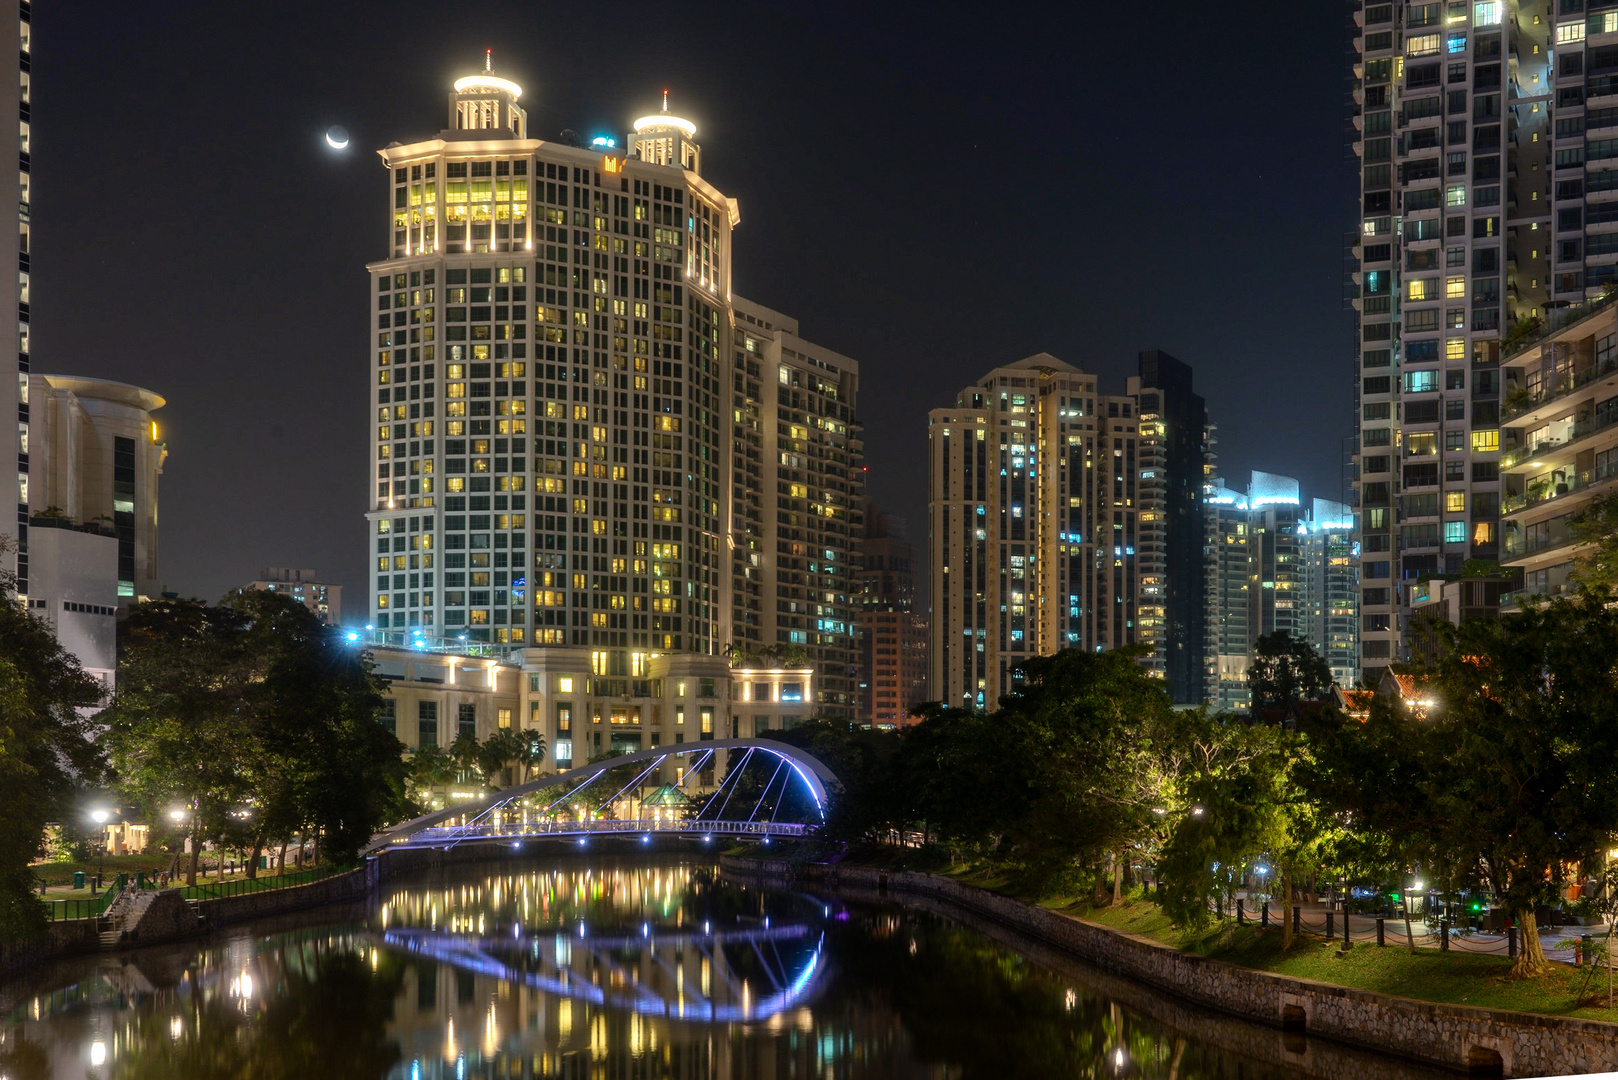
1429, 975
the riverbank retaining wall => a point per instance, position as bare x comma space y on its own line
1453, 1036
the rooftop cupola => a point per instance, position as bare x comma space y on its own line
485, 106
665, 139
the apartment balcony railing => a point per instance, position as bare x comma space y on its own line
1604, 365
1558, 318
1516, 457
1555, 535
1587, 478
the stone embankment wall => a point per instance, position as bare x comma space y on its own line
60, 939
1451, 1036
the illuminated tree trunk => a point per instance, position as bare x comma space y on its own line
1117, 876
1286, 907
1531, 960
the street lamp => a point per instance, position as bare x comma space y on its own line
178, 815
100, 818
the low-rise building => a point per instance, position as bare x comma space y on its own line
441, 689
304, 586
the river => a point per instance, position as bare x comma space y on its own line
619, 968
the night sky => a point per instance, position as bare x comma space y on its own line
931, 191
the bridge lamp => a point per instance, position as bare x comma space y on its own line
766, 841
707, 839
647, 839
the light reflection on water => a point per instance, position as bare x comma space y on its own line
614, 968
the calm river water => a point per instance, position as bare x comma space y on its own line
617, 969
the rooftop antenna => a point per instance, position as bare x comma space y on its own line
488, 59
665, 99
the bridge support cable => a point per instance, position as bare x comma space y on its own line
574, 791
734, 786
756, 806
641, 776
693, 770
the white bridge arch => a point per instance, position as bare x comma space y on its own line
489, 820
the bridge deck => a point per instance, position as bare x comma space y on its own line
465, 834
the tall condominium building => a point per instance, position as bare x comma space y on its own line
1034, 520
1229, 569
892, 631
1331, 588
549, 368
1277, 564
1175, 460
16, 39
565, 391
796, 499
1474, 219
304, 586
1561, 447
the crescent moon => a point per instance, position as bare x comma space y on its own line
334, 143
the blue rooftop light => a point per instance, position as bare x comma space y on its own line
602, 140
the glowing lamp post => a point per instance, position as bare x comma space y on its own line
100, 818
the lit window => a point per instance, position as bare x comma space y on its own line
1486, 13
1483, 532
1484, 441
1570, 32
1455, 349
1454, 532
1425, 44
1455, 288
1609, 22
1455, 195
1456, 43
1424, 382
1454, 501
1421, 289
565, 684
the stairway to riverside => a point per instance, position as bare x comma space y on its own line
123, 917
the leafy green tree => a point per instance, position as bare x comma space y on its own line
430, 767
1506, 780
1087, 728
1285, 670
259, 719
45, 752
1596, 527
178, 731
509, 754
1247, 809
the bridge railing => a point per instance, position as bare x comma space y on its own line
518, 830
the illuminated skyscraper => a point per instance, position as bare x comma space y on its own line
588, 458
548, 367
1034, 519
1474, 225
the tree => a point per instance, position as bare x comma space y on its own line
1087, 729
46, 753
509, 754
1285, 671
259, 719
178, 730
1507, 779
1596, 526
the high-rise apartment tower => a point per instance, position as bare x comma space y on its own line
548, 364
1034, 521
1477, 216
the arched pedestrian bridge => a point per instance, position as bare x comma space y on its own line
764, 788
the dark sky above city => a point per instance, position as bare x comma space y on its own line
932, 191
